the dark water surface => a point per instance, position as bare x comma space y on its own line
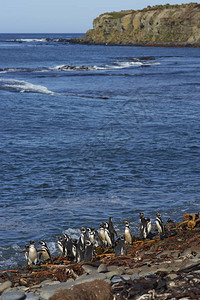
89, 132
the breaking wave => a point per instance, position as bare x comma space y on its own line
64, 68
21, 86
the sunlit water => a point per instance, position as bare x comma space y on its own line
89, 132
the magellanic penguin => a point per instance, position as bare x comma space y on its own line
145, 226
112, 230
88, 254
82, 238
32, 254
68, 244
61, 245
44, 252
127, 233
102, 233
108, 236
159, 224
120, 248
26, 251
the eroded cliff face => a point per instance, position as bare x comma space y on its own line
176, 24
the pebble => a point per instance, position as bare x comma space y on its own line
5, 285
13, 295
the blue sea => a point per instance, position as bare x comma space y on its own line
90, 131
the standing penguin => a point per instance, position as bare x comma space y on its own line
82, 238
88, 255
108, 236
45, 253
127, 233
145, 226
102, 233
68, 244
26, 251
112, 230
159, 224
120, 248
61, 245
32, 254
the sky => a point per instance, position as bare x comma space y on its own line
62, 16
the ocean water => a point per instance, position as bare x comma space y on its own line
89, 132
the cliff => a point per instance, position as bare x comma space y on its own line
157, 25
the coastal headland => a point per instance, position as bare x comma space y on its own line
160, 25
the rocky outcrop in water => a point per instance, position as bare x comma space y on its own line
158, 25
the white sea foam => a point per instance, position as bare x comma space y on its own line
22, 86
73, 232
31, 40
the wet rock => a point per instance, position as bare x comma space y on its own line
102, 268
5, 285
114, 268
13, 295
89, 269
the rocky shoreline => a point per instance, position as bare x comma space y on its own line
166, 268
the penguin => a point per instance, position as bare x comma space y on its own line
74, 248
108, 236
127, 233
82, 239
32, 254
61, 245
112, 230
159, 224
120, 248
68, 244
102, 233
145, 226
26, 251
45, 253
88, 254
79, 253
91, 233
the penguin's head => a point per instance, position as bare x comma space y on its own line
141, 215
126, 223
83, 230
158, 215
42, 243
32, 242
88, 243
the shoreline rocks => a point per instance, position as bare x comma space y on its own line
161, 269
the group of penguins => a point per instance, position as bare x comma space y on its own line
84, 248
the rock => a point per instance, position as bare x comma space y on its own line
126, 277
116, 279
130, 271
102, 268
89, 278
32, 296
89, 269
13, 295
96, 290
110, 274
114, 268
172, 276
5, 285
48, 282
48, 291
